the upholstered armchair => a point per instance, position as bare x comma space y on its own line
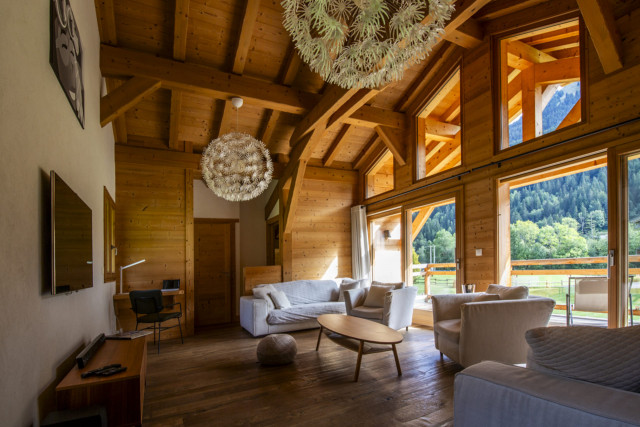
391, 305
469, 332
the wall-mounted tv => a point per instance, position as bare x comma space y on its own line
71, 239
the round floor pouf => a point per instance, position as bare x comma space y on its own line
277, 349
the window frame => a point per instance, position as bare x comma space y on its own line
110, 249
499, 110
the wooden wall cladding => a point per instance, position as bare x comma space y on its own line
321, 234
151, 224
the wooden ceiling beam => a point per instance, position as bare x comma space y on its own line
180, 24
599, 19
443, 157
368, 149
202, 79
288, 75
560, 71
394, 143
336, 145
437, 128
359, 99
240, 58
370, 117
520, 55
294, 195
333, 98
180, 27
468, 35
442, 93
124, 97
465, 9
105, 14
573, 116
419, 221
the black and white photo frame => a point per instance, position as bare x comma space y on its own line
65, 54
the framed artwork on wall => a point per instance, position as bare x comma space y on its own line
65, 54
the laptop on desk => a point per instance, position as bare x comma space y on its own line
171, 284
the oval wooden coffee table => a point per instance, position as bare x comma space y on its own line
362, 330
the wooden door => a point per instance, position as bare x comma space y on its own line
214, 267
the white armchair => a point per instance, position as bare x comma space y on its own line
396, 311
469, 332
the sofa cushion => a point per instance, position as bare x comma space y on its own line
375, 296
367, 312
279, 299
486, 297
309, 291
608, 357
347, 287
396, 285
449, 329
509, 292
304, 312
262, 292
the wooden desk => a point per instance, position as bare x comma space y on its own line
127, 319
121, 394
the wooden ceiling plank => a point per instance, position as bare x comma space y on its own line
452, 112
442, 158
180, 24
201, 79
501, 8
336, 145
124, 97
599, 19
393, 143
445, 89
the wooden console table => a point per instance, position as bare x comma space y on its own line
121, 394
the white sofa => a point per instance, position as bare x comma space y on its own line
396, 313
309, 299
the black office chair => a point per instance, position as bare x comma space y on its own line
147, 305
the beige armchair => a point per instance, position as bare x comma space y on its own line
395, 311
469, 332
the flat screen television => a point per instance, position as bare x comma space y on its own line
71, 239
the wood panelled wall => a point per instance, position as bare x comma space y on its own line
613, 109
321, 235
154, 220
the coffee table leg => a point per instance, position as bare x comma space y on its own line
360, 348
319, 336
395, 354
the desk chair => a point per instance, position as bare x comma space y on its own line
147, 305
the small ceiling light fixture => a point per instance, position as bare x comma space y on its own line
236, 166
364, 43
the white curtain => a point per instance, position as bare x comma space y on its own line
360, 261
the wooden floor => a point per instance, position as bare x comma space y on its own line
214, 379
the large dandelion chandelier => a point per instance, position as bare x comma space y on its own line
364, 43
236, 166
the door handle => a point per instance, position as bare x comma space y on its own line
611, 262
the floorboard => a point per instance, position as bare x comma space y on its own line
215, 379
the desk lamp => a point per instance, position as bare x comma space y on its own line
127, 266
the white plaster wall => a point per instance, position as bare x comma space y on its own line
39, 132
